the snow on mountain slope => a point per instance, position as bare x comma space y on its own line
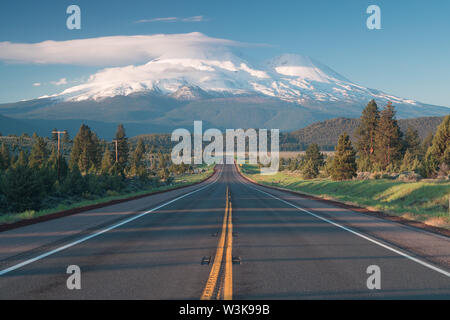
289, 77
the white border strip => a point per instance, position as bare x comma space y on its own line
49, 253
423, 263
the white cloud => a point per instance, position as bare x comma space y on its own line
173, 19
168, 19
60, 82
113, 50
193, 19
36, 84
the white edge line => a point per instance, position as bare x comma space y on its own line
423, 263
44, 255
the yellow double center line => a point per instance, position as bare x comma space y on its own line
225, 244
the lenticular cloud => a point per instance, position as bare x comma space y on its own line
112, 51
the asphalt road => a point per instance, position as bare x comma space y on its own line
271, 244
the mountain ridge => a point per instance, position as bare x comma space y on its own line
222, 89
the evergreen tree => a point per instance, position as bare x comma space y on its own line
66, 137
410, 162
122, 146
313, 160
292, 164
440, 148
74, 184
39, 153
22, 160
86, 153
412, 142
313, 153
310, 170
344, 162
137, 160
107, 162
328, 168
388, 144
366, 135
23, 189
53, 159
58, 165
5, 157
427, 142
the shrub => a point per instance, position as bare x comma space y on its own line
22, 189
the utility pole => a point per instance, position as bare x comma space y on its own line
117, 151
59, 143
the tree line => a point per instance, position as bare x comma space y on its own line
380, 147
43, 178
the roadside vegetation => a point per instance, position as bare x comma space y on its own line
386, 170
37, 179
425, 201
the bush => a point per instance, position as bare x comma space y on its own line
74, 184
22, 189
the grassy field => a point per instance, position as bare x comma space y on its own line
179, 181
422, 201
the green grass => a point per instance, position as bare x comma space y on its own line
425, 201
179, 181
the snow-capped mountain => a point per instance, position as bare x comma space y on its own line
291, 78
212, 84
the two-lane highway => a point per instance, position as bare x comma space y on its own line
260, 244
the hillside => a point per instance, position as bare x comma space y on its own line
326, 133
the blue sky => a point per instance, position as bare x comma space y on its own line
409, 57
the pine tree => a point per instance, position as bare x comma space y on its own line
53, 159
39, 153
107, 162
427, 142
122, 146
310, 170
440, 148
344, 162
366, 135
313, 160
22, 187
59, 166
66, 137
410, 162
5, 157
22, 160
74, 183
86, 152
412, 142
313, 153
388, 144
137, 160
